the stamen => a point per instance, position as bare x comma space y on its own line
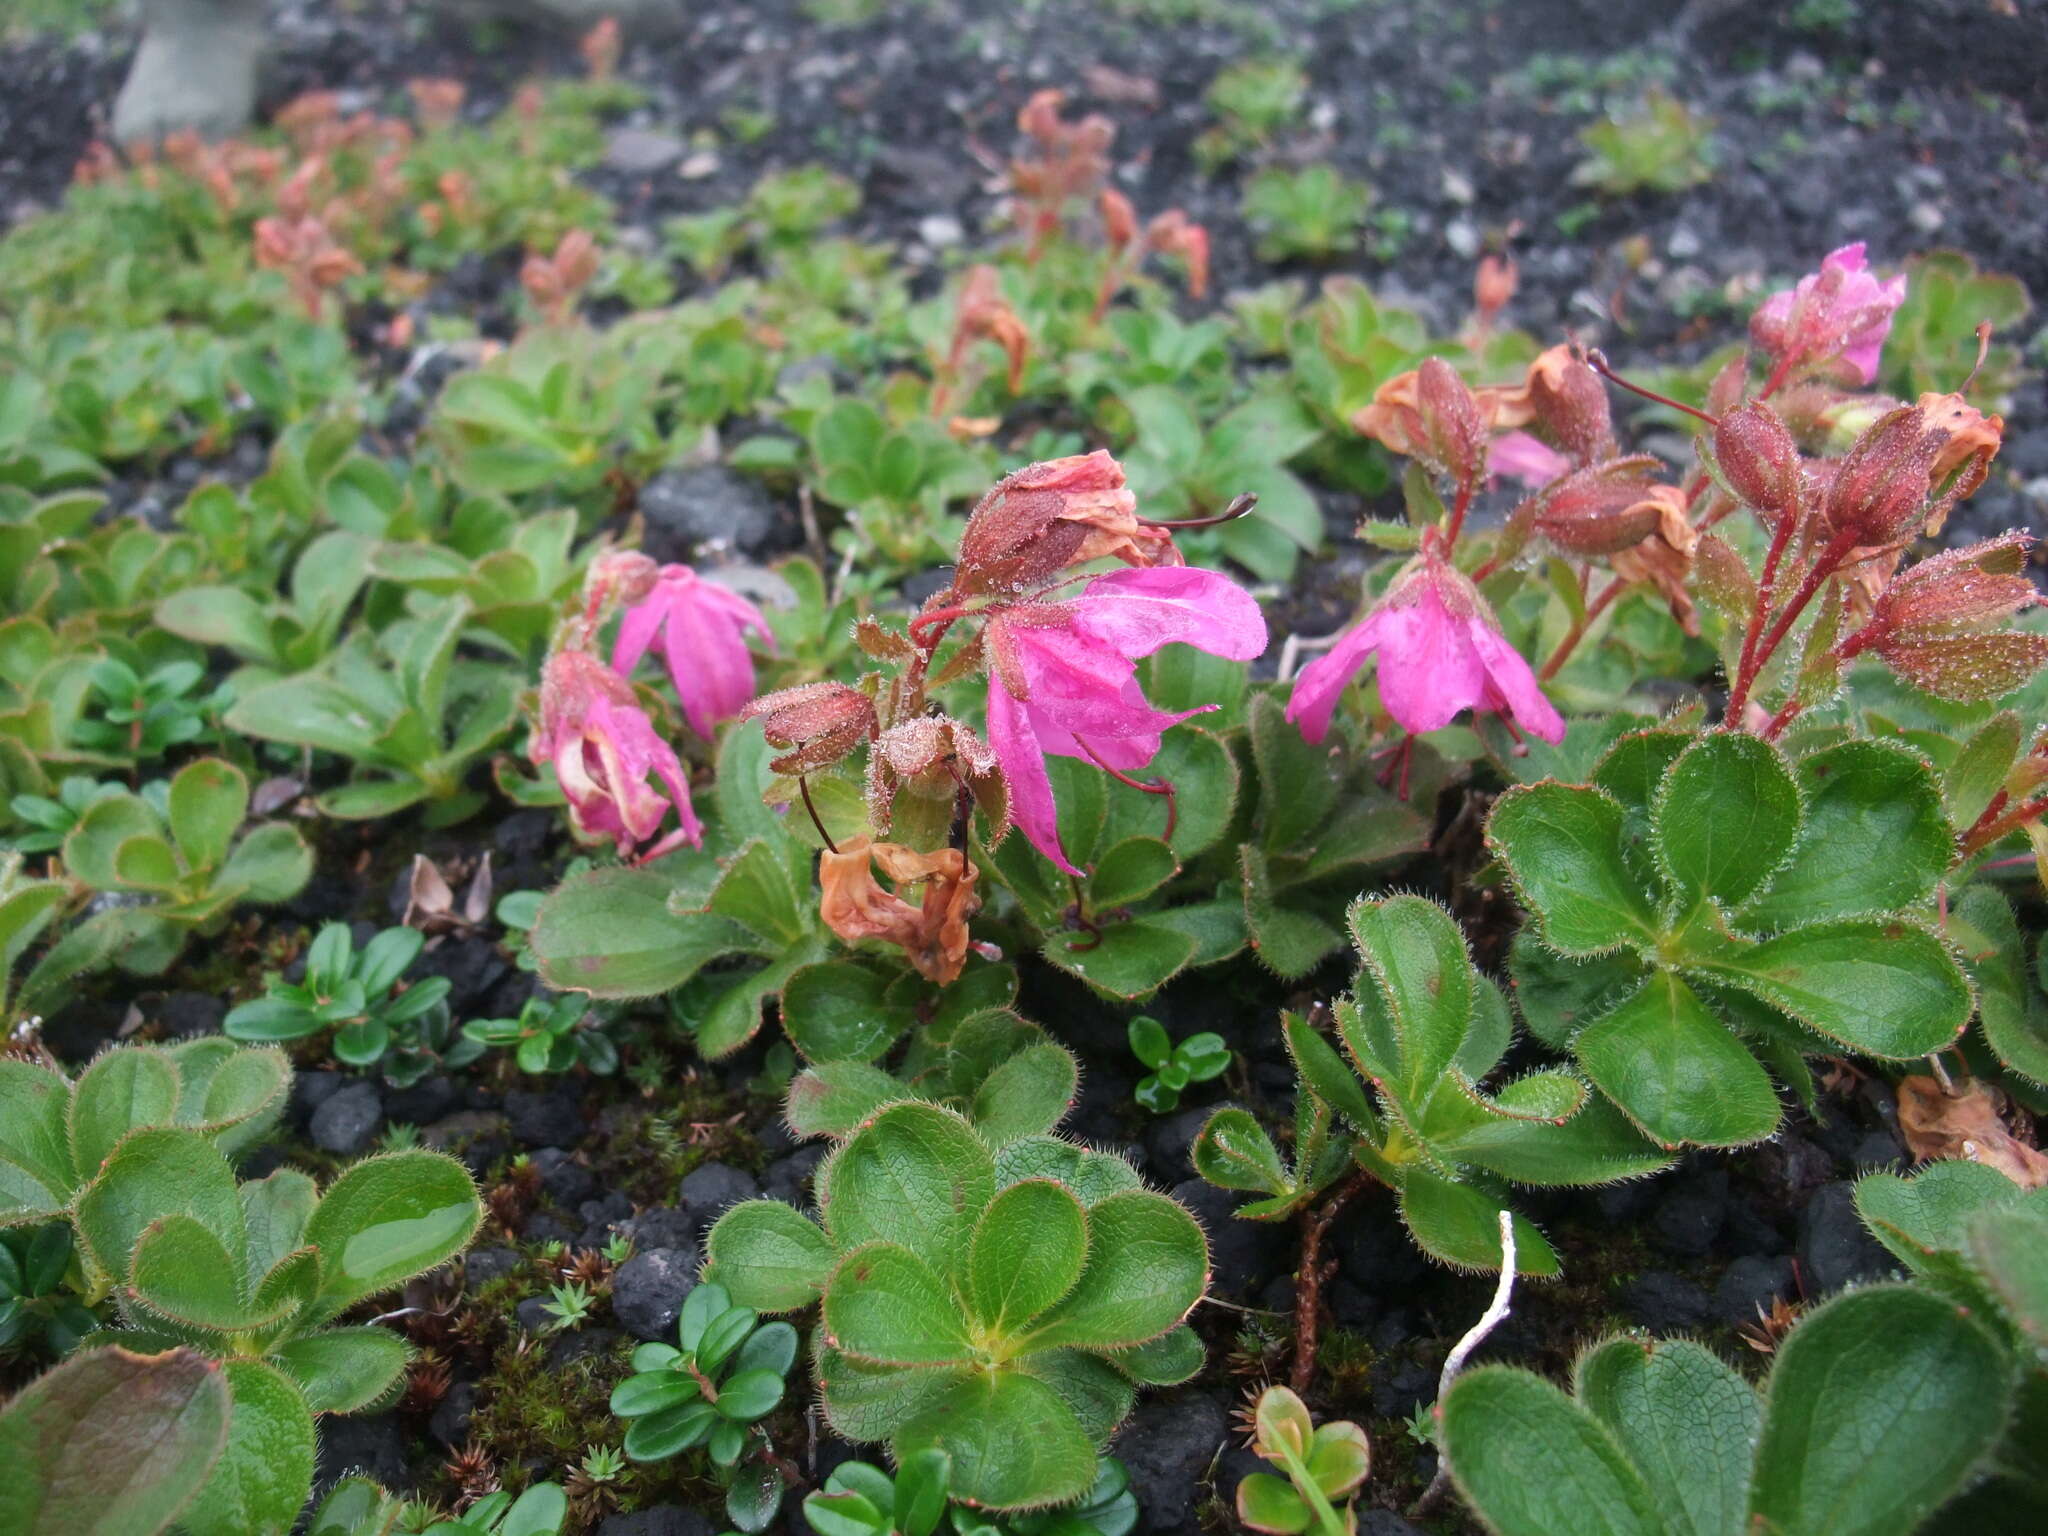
1239, 507
1160, 786
1595, 359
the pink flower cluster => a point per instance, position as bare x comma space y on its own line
1834, 320
620, 778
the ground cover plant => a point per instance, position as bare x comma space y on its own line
1164, 793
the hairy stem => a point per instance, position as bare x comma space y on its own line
1308, 1280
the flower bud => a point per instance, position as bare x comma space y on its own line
1173, 233
1879, 489
816, 724
1570, 400
1493, 286
1760, 461
1048, 516
1454, 430
1933, 624
1119, 218
1605, 508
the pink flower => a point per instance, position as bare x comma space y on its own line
1439, 652
603, 748
1840, 312
701, 625
1527, 458
1063, 677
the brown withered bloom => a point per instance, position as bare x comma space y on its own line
1047, 517
1664, 558
1936, 623
933, 934
1972, 442
1072, 160
814, 725
1173, 233
1394, 418
553, 282
306, 254
935, 756
1565, 397
1599, 510
982, 314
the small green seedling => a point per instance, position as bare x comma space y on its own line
53, 819
540, 1511
862, 1500
1325, 1464
352, 992
1109, 1508
1196, 1059
726, 1377
551, 1034
136, 717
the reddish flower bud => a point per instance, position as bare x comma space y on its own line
816, 725
1454, 429
1119, 218
1933, 624
1605, 508
1879, 489
600, 49
1052, 515
1760, 461
1570, 401
1173, 233
1493, 286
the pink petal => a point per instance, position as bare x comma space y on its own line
1513, 682
743, 613
1018, 754
1428, 668
1322, 682
1849, 258
1524, 457
636, 632
707, 662
1137, 611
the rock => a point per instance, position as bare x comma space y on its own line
1384, 1522
705, 504
191, 1013
196, 69
663, 1520
546, 1119
366, 1443
663, 1226
309, 1091
449, 1422
940, 231
523, 835
1242, 1254
580, 1343
346, 1123
1750, 1284
1166, 1446
533, 1314
544, 1228
1688, 1217
788, 1179
567, 1182
1169, 1140
1375, 1252
1878, 1150
1666, 1303
641, 151
424, 1102
472, 967
480, 1266
1835, 1249
710, 1187
1401, 1383
649, 1289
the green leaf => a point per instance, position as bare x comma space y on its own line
1876, 837
1298, 782
1027, 1095
755, 890
261, 1481
151, 1175
1013, 1441
184, 1272
839, 1010
769, 1256
734, 1016
1562, 845
343, 1369
1290, 943
1132, 961
1269, 1503
223, 616
1885, 988
1725, 816
1878, 1406
1685, 1420
36, 1177
276, 1210
122, 1091
749, 1395
915, 1175
885, 1306
1415, 955
1533, 1462
1930, 1213
1167, 1361
1091, 1175
2006, 1247
272, 864
1978, 773
1233, 1151
1147, 1266
2012, 1013
1326, 1074
1026, 1254
1677, 1071
834, 1097
111, 1443
1460, 1226
387, 1219
540, 1511
609, 932
1130, 871
208, 800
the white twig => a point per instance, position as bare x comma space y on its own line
1290, 653
1462, 1351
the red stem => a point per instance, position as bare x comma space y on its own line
1577, 632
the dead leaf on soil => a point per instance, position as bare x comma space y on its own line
1964, 1121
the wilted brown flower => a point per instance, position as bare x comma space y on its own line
1072, 160
1173, 233
1664, 558
932, 935
303, 250
815, 724
1046, 517
1394, 417
553, 282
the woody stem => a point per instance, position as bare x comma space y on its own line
803, 785
1156, 787
1308, 1280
